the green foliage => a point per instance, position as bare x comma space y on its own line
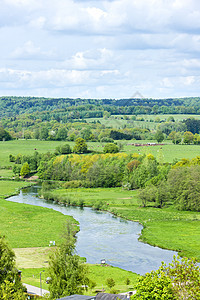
110, 148
25, 169
11, 158
154, 285
110, 282
148, 194
192, 125
127, 281
184, 187
176, 137
61, 134
16, 169
4, 135
188, 137
63, 149
179, 280
80, 146
159, 136
68, 274
8, 291
10, 284
117, 135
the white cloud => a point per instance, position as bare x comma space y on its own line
30, 51
107, 48
91, 59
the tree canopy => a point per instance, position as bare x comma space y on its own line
179, 280
68, 275
10, 285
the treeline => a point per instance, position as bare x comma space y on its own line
181, 187
160, 184
81, 108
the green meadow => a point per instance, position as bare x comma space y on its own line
26, 225
27, 147
97, 273
33, 227
149, 121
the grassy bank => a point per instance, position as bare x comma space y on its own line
97, 274
167, 227
27, 225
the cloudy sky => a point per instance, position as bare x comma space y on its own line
100, 49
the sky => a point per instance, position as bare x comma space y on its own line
100, 49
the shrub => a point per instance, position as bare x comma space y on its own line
110, 148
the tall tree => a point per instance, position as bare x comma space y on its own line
80, 146
10, 284
25, 170
159, 136
179, 280
68, 274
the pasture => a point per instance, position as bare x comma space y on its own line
148, 121
27, 147
97, 274
27, 225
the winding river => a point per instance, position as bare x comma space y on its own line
104, 236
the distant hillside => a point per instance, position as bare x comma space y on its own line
13, 106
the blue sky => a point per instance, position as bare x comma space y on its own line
100, 49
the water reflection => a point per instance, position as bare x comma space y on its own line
103, 235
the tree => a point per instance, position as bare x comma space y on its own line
110, 148
188, 137
175, 137
10, 284
63, 149
68, 274
61, 134
8, 291
184, 187
80, 146
159, 136
4, 135
148, 194
44, 133
16, 169
25, 169
110, 282
179, 280
127, 281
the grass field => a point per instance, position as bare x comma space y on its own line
167, 227
97, 273
118, 121
27, 225
26, 147
33, 227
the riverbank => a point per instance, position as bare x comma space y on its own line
31, 226
166, 228
27, 225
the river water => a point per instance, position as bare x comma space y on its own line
104, 236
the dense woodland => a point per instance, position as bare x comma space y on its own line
68, 119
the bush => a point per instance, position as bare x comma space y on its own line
110, 282
110, 148
106, 140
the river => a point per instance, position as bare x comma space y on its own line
104, 236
